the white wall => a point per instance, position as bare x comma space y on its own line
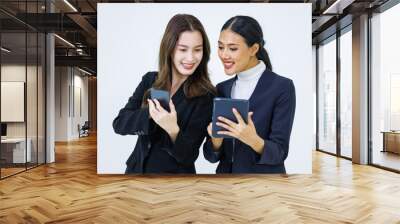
128, 39
61, 103
12, 73
17, 73
67, 117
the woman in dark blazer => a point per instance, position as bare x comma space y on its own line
261, 145
169, 141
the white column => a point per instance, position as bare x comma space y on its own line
50, 92
360, 90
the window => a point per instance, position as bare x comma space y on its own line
346, 94
327, 96
385, 88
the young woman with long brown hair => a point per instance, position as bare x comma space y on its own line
169, 141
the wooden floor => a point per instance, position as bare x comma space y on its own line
70, 191
10, 171
387, 159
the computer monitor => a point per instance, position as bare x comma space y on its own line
3, 129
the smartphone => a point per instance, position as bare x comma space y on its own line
162, 96
223, 107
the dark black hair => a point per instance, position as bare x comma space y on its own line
251, 31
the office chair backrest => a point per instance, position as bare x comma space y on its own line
3, 129
85, 125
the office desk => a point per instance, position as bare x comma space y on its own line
391, 141
13, 150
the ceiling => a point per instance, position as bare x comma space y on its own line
76, 22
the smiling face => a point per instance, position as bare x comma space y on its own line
188, 53
234, 53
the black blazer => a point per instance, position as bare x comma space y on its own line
154, 151
273, 103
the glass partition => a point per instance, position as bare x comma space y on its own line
14, 154
22, 63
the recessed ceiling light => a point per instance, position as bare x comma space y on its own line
84, 71
338, 6
70, 5
5, 50
64, 40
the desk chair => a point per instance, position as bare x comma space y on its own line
84, 130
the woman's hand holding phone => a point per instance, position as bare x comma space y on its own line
166, 120
216, 142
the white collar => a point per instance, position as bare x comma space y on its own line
252, 73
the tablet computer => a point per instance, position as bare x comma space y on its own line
223, 107
162, 96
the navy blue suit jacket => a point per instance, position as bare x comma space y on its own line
273, 103
154, 151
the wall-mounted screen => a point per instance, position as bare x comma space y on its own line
12, 101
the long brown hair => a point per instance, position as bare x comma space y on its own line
198, 83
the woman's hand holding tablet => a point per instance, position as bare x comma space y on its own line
232, 119
245, 132
223, 108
